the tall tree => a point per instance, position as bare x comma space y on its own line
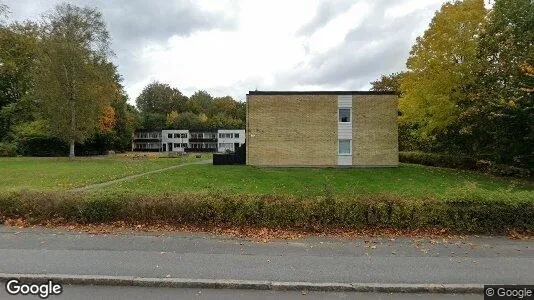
72, 70
4, 11
387, 83
161, 98
125, 124
503, 115
18, 49
200, 102
440, 67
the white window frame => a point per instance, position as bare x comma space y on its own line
350, 115
350, 147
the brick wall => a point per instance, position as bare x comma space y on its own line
292, 130
374, 130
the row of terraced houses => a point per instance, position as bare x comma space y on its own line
223, 140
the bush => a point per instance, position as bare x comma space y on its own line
464, 212
462, 162
42, 146
8, 149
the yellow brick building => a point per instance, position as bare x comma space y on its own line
339, 128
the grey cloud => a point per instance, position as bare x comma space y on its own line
377, 46
159, 20
350, 65
134, 24
237, 90
326, 11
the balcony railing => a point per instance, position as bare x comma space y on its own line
212, 140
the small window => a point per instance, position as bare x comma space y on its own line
345, 147
344, 115
169, 135
236, 135
184, 135
184, 145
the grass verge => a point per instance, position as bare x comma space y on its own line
460, 213
60, 173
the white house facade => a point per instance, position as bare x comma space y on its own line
223, 140
174, 140
228, 139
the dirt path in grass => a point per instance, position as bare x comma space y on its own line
127, 178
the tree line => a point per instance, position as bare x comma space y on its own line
58, 86
164, 107
61, 93
469, 84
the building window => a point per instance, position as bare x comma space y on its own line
184, 145
345, 147
169, 135
184, 135
236, 135
344, 115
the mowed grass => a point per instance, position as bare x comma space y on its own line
405, 180
61, 173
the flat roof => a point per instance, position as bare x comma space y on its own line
319, 93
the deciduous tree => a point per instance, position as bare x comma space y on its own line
440, 66
200, 102
387, 83
502, 117
161, 98
71, 69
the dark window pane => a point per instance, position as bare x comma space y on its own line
344, 115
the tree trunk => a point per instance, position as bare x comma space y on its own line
71, 151
72, 128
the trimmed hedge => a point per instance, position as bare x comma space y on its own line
464, 163
461, 213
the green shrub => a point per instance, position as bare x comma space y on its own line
42, 146
8, 149
463, 163
463, 212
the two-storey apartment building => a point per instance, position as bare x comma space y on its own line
193, 141
339, 128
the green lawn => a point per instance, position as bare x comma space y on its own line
406, 180
37, 173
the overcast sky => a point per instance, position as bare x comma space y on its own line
230, 47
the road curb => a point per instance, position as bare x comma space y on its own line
245, 284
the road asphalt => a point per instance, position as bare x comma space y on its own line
468, 260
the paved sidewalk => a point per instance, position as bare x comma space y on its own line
128, 178
474, 260
133, 293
